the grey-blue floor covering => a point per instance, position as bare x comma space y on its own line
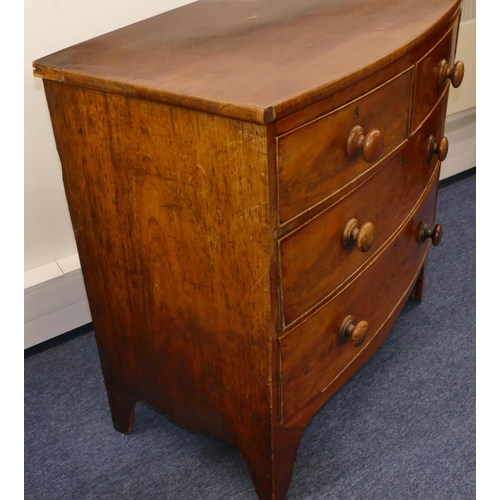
402, 428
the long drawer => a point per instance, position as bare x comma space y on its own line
315, 161
314, 354
315, 259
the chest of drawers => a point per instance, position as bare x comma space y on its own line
252, 187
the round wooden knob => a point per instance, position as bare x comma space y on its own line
363, 236
356, 331
455, 73
434, 147
371, 145
434, 235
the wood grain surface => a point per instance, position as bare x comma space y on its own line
255, 60
313, 260
175, 257
313, 162
312, 355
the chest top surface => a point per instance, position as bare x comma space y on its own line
248, 59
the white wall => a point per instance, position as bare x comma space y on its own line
461, 120
51, 25
465, 96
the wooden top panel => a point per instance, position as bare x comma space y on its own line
256, 60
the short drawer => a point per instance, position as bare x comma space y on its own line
314, 259
431, 75
313, 160
315, 353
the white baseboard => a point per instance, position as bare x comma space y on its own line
55, 301
460, 129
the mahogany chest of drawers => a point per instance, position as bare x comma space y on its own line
252, 187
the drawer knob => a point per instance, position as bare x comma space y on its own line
370, 145
455, 73
356, 331
434, 235
433, 147
363, 236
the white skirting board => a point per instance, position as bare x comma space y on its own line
460, 130
55, 301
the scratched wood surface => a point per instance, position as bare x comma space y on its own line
312, 356
312, 159
314, 261
175, 258
255, 60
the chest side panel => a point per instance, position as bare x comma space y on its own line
169, 208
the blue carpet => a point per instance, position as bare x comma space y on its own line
402, 428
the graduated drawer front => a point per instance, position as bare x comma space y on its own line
313, 162
428, 86
314, 261
312, 356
